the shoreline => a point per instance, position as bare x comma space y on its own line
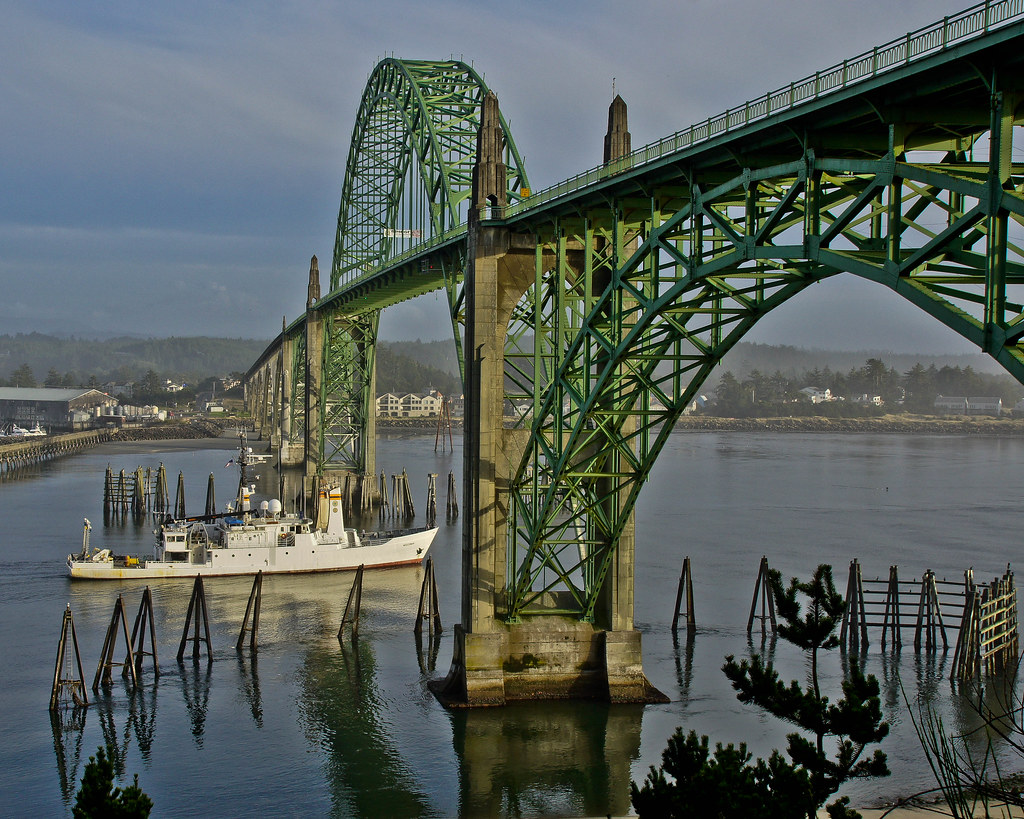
894, 424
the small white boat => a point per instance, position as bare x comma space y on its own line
245, 542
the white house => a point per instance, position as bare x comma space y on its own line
984, 405
951, 404
816, 396
388, 405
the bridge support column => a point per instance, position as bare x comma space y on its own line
291, 451
314, 365
548, 656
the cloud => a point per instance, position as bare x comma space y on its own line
163, 163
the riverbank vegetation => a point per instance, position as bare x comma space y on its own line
870, 390
832, 743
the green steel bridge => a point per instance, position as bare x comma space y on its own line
587, 315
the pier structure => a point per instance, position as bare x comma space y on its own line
588, 316
17, 453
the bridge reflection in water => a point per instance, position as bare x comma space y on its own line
562, 758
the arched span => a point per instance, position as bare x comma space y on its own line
408, 181
679, 278
410, 164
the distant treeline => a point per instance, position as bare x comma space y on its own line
35, 359
773, 376
81, 362
914, 390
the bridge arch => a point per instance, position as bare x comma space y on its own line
410, 164
407, 182
684, 282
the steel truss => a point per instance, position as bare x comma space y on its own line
407, 182
648, 271
646, 296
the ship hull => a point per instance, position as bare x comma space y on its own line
403, 550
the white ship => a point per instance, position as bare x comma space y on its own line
246, 541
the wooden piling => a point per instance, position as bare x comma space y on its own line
196, 605
138, 494
410, 507
162, 500
452, 499
179, 497
429, 609
143, 619
762, 595
854, 631
67, 685
108, 491
385, 501
122, 493
211, 497
106, 663
686, 588
444, 427
252, 607
431, 498
351, 615
891, 614
929, 615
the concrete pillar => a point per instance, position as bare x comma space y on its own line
615, 604
274, 411
617, 142
314, 377
292, 451
547, 657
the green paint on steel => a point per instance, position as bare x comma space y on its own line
650, 270
407, 186
410, 166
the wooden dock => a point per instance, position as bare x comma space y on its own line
19, 453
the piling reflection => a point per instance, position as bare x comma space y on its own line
195, 687
116, 742
562, 758
342, 709
142, 719
684, 663
68, 727
427, 655
250, 686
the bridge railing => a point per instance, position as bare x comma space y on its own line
393, 261
950, 31
966, 25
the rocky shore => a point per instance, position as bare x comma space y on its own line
185, 430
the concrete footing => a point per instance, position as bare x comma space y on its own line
545, 658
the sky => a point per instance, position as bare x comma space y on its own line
168, 169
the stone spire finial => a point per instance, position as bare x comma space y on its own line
313, 294
490, 177
617, 142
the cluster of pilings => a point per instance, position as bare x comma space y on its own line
18, 454
69, 688
398, 504
984, 617
146, 490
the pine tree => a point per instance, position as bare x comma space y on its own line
96, 800
828, 750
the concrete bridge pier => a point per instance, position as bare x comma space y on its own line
541, 657
291, 452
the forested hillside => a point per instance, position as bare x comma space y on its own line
36, 359
81, 361
416, 366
